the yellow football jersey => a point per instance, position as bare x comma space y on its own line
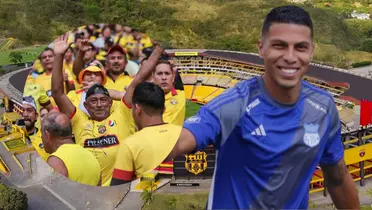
38, 145
119, 84
45, 80
70, 73
75, 97
81, 164
103, 138
175, 107
145, 150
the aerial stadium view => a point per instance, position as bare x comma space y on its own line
76, 115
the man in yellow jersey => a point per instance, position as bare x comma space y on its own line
30, 117
175, 101
107, 124
116, 62
47, 59
67, 158
142, 152
38, 93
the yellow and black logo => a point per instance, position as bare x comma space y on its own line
196, 163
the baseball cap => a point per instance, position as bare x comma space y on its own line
29, 100
93, 69
97, 89
117, 48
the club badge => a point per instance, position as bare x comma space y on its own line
101, 129
311, 136
173, 101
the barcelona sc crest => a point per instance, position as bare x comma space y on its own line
196, 163
311, 136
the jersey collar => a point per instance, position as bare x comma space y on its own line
173, 92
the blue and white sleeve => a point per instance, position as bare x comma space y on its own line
205, 127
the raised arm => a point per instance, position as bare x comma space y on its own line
78, 64
144, 73
198, 132
63, 102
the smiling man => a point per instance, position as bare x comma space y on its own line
271, 132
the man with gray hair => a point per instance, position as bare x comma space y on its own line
67, 158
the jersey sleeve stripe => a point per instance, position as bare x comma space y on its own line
122, 174
73, 114
126, 104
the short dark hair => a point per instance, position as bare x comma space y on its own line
149, 96
45, 49
163, 61
56, 129
287, 14
97, 89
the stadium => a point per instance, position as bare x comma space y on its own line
205, 75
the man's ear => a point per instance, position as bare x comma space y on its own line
260, 44
137, 109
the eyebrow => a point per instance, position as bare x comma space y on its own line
284, 42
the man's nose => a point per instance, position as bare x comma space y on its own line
290, 55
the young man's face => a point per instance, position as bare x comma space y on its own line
287, 50
69, 54
93, 77
164, 77
46, 59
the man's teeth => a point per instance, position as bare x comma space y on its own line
289, 71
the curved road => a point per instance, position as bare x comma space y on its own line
358, 85
18, 80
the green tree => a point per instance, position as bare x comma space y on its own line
367, 45
16, 57
12, 199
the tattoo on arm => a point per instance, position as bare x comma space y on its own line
334, 174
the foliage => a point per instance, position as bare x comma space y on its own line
212, 24
367, 45
12, 199
16, 57
147, 196
361, 64
179, 201
171, 203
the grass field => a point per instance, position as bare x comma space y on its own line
15, 143
191, 108
29, 54
195, 201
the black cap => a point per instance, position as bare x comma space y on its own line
97, 89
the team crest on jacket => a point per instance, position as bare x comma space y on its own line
101, 129
311, 136
173, 101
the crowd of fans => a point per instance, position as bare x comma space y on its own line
96, 89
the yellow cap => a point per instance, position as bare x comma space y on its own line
93, 69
